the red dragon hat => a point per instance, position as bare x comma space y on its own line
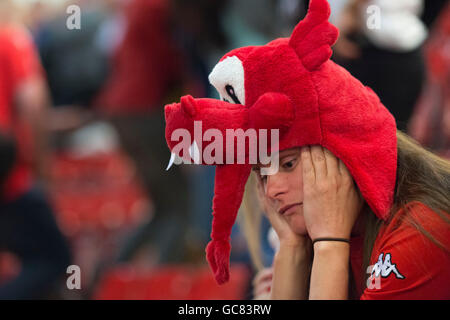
291, 84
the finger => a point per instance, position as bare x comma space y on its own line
318, 160
309, 176
332, 163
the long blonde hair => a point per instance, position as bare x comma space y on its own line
251, 219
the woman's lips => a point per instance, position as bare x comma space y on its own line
286, 210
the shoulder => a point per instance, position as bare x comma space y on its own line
17, 50
16, 43
15, 36
410, 258
415, 220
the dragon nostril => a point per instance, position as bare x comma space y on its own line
188, 104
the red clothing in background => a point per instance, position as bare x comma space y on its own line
18, 63
407, 264
146, 62
430, 124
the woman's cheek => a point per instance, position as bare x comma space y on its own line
297, 223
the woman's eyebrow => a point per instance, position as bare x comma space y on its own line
288, 154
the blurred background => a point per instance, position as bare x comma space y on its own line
82, 147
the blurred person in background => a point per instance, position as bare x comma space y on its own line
199, 34
148, 70
27, 225
75, 60
258, 21
387, 56
7, 154
430, 124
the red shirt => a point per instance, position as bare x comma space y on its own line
18, 62
406, 263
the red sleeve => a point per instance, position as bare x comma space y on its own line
22, 56
407, 264
18, 62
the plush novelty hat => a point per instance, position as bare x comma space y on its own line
291, 84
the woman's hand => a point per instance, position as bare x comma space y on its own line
331, 202
280, 225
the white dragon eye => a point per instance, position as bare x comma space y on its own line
228, 79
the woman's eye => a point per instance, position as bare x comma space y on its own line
289, 164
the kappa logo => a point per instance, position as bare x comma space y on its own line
385, 267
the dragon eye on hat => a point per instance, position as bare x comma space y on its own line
228, 79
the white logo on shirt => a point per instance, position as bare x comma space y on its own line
385, 268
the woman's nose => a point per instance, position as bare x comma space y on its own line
275, 186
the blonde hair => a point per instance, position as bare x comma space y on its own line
251, 220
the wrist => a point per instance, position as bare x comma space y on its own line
330, 247
330, 270
330, 239
330, 234
297, 251
299, 243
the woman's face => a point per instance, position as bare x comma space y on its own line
284, 190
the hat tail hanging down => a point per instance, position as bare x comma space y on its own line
271, 111
229, 189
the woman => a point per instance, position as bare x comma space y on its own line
318, 113
326, 202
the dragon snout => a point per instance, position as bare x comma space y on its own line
176, 119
